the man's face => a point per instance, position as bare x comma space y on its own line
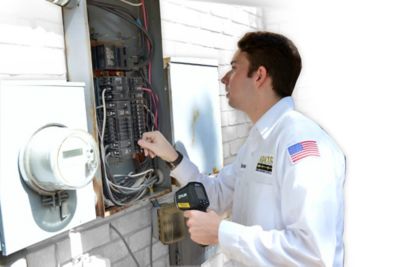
238, 86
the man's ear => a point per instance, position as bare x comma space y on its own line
261, 75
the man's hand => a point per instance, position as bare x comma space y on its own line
203, 226
155, 144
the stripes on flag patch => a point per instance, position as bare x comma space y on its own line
302, 150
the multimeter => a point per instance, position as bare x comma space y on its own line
192, 196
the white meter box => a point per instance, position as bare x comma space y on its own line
47, 161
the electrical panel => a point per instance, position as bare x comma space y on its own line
47, 161
127, 76
115, 48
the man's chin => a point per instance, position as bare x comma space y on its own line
230, 103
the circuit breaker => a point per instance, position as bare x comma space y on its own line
47, 161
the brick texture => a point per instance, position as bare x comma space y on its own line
31, 32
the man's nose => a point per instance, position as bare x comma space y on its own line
225, 79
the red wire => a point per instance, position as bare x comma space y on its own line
147, 41
154, 99
144, 14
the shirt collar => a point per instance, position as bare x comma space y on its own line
269, 118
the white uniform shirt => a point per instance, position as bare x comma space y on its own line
287, 207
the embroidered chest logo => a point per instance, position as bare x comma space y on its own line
265, 164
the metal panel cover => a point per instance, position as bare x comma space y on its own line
196, 111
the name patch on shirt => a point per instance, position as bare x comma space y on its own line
302, 150
265, 164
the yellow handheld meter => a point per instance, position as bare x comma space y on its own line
192, 196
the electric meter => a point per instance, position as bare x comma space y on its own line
58, 158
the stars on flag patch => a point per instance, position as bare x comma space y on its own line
302, 150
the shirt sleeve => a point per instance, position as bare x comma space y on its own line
219, 189
311, 208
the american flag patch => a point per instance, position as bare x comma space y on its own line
302, 150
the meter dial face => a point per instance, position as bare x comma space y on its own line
57, 158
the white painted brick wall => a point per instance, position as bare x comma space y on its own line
99, 239
213, 34
31, 40
45, 257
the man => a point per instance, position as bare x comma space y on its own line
285, 187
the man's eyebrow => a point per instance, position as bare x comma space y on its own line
233, 62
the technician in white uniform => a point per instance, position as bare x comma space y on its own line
285, 187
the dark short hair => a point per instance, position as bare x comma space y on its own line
277, 54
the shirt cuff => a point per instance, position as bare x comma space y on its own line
185, 171
228, 236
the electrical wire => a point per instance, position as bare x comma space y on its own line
103, 128
155, 101
130, 175
130, 3
125, 15
151, 115
122, 189
126, 244
128, 17
145, 19
155, 204
120, 12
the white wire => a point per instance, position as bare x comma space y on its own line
137, 185
151, 113
103, 128
145, 184
142, 184
130, 175
130, 3
133, 189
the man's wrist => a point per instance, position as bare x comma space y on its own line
172, 164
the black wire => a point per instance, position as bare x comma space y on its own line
119, 196
155, 204
122, 13
154, 108
145, 78
151, 237
126, 244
